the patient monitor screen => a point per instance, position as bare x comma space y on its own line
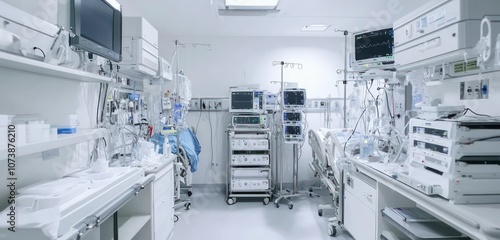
293, 130
292, 116
294, 98
374, 44
242, 100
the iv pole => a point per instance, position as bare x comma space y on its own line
295, 192
346, 33
181, 202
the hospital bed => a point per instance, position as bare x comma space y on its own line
327, 164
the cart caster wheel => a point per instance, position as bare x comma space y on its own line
332, 231
311, 195
190, 193
320, 213
266, 201
176, 218
276, 204
290, 206
310, 189
187, 206
231, 201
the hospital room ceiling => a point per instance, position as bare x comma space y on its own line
186, 18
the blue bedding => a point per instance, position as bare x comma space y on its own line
188, 141
191, 145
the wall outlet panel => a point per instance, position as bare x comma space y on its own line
194, 104
211, 104
321, 104
476, 89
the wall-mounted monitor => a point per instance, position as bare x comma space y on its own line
97, 25
246, 101
294, 98
373, 49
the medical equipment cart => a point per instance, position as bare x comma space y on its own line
249, 172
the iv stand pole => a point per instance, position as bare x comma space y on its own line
295, 191
345, 79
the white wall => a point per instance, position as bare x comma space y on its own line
234, 61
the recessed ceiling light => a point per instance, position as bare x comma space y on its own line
315, 28
252, 4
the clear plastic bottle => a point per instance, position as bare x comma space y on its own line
366, 147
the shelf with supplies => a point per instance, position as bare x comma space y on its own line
82, 135
20, 63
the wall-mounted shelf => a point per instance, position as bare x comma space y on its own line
24, 64
61, 141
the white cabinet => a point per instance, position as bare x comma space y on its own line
360, 204
163, 203
359, 220
149, 215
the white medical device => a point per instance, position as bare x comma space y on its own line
293, 117
249, 121
250, 184
271, 100
458, 160
249, 160
26, 35
164, 70
139, 48
373, 49
249, 144
246, 101
293, 133
294, 98
440, 32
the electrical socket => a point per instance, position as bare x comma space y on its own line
477, 89
214, 104
194, 104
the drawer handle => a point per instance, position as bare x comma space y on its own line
367, 195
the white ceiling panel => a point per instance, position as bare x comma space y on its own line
182, 18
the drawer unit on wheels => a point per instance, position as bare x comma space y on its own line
249, 169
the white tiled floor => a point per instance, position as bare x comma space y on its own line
211, 218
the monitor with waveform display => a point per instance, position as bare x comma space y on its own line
246, 101
373, 50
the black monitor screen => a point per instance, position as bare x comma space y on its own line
292, 116
293, 130
294, 98
97, 22
242, 100
374, 44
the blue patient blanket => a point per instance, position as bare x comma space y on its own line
191, 145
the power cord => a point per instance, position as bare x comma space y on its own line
37, 48
477, 114
480, 140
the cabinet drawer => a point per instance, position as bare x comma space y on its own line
163, 218
363, 188
162, 185
359, 220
